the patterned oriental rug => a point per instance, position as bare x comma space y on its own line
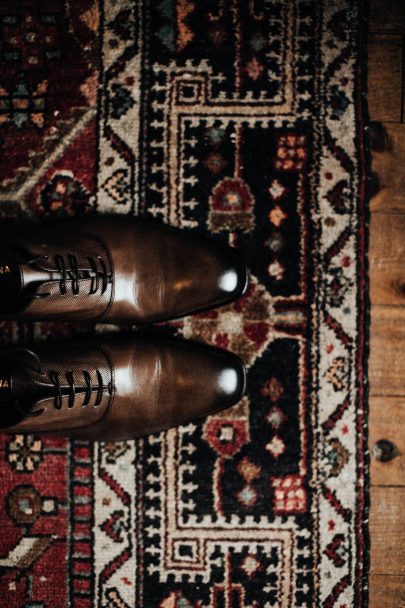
245, 120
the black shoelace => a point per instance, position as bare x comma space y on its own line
71, 273
72, 390
22, 403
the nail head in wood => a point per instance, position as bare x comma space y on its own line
384, 450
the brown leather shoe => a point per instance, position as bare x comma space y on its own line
113, 269
114, 387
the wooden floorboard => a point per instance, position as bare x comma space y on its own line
385, 76
387, 421
386, 101
387, 535
387, 259
387, 351
387, 591
387, 16
389, 165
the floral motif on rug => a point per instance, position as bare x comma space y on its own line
243, 120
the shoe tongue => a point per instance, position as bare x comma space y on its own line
32, 276
19, 281
18, 390
14, 387
6, 383
10, 284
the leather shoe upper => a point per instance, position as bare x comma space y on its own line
114, 387
115, 269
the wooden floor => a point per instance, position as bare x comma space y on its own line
386, 99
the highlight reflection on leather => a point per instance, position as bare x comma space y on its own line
116, 269
115, 387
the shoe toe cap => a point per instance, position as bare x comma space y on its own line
231, 382
202, 381
233, 279
206, 273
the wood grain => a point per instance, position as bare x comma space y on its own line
387, 421
387, 259
389, 165
387, 16
387, 533
385, 77
387, 591
387, 351
386, 365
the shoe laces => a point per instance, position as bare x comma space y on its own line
72, 390
71, 273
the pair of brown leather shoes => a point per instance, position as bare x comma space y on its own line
115, 270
